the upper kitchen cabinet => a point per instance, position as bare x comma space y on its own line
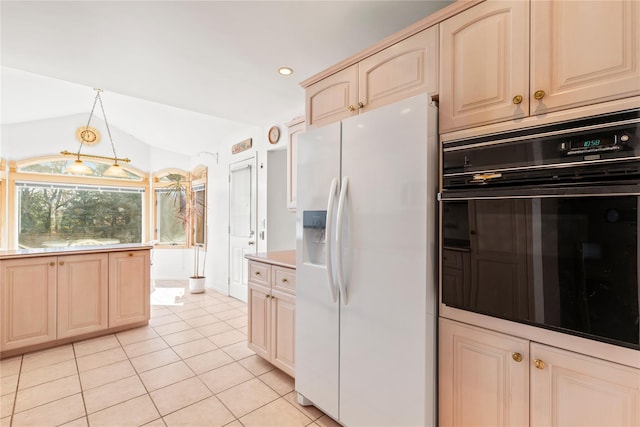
493, 71
294, 128
399, 71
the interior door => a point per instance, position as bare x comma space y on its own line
242, 223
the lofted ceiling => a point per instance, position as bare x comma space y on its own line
213, 58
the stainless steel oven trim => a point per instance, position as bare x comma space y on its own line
536, 135
631, 189
546, 166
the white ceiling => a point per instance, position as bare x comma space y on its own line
217, 58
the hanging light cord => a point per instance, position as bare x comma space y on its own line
90, 116
106, 123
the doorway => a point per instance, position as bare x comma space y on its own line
242, 223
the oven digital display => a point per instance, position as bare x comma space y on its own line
591, 142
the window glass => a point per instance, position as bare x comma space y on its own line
200, 203
58, 215
57, 167
171, 205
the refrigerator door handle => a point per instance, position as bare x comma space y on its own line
339, 246
329, 237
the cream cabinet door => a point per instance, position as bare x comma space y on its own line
484, 68
283, 317
28, 301
333, 98
402, 70
83, 294
583, 52
570, 389
259, 327
295, 128
484, 377
129, 287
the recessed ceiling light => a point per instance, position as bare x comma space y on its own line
285, 71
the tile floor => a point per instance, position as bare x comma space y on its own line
189, 367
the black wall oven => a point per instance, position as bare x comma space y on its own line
540, 226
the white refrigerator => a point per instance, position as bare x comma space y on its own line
365, 257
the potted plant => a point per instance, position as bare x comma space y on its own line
190, 206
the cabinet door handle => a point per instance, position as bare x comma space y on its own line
517, 99
130, 254
538, 363
539, 94
52, 263
360, 105
284, 280
61, 262
517, 357
351, 108
257, 273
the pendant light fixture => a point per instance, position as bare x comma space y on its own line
79, 168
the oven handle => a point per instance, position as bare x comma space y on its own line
627, 188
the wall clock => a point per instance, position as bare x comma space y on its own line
88, 135
274, 134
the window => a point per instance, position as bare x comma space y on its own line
54, 209
56, 215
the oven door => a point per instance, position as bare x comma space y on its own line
564, 258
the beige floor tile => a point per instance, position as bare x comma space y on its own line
154, 360
256, 365
209, 412
207, 361
10, 366
155, 322
166, 375
134, 412
47, 357
243, 330
310, 411
6, 403
225, 377
136, 335
179, 395
279, 381
157, 423
113, 393
143, 347
247, 397
326, 421
106, 374
193, 348
227, 338
229, 314
95, 345
238, 350
48, 392
235, 423
47, 373
79, 422
237, 322
214, 328
182, 337
5, 422
171, 328
9, 384
218, 308
208, 319
278, 413
190, 314
159, 311
102, 358
52, 413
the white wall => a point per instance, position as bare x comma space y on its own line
281, 222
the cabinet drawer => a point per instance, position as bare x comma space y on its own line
452, 259
259, 273
284, 279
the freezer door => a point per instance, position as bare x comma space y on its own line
317, 315
387, 326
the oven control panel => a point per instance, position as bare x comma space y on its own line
598, 143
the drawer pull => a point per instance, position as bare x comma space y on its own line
257, 273
284, 280
130, 254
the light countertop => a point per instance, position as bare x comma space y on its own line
281, 258
71, 250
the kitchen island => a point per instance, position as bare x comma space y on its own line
272, 307
53, 296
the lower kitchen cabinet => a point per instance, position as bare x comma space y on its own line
129, 302
47, 300
489, 378
272, 314
29, 296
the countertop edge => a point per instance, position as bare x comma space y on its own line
280, 258
70, 250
